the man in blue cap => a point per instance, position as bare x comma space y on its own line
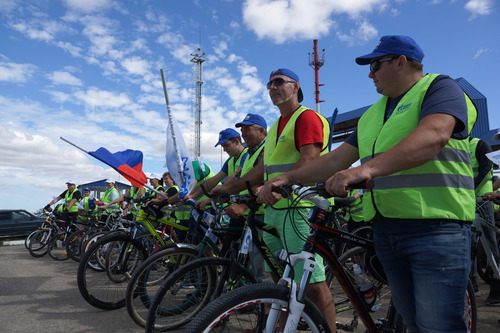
413, 144
298, 136
230, 141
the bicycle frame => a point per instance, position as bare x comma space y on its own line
317, 243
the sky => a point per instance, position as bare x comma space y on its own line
89, 71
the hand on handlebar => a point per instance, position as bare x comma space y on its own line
341, 182
266, 194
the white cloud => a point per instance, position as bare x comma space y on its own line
364, 32
87, 6
136, 65
480, 52
19, 73
479, 7
290, 20
102, 98
65, 78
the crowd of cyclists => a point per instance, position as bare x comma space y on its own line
295, 149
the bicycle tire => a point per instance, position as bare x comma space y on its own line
190, 288
149, 276
38, 243
243, 308
95, 286
73, 244
347, 318
56, 249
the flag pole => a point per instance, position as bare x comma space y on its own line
71, 143
171, 125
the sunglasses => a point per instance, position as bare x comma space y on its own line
375, 64
277, 82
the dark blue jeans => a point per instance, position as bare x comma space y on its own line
427, 263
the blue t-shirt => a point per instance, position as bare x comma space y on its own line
443, 96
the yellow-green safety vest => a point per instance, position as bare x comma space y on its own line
106, 198
442, 188
355, 210
486, 184
281, 154
247, 166
233, 165
67, 198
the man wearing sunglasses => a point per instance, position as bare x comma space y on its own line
413, 144
299, 136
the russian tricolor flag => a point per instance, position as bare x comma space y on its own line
128, 163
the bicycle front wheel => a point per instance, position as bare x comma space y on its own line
190, 288
149, 276
245, 308
105, 289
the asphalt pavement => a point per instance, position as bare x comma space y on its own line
41, 295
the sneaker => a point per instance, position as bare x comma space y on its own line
493, 299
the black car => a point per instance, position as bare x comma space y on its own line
18, 222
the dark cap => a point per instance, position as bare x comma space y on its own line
397, 45
291, 75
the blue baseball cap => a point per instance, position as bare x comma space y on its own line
395, 44
252, 119
86, 189
291, 75
227, 134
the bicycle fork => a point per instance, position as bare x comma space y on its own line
296, 302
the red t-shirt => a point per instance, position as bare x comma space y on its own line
308, 129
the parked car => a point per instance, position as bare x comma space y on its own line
18, 222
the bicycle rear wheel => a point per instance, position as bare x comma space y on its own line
57, 246
245, 309
190, 288
149, 276
95, 286
37, 246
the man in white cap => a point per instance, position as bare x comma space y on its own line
110, 194
71, 196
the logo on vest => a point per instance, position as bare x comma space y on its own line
403, 108
281, 138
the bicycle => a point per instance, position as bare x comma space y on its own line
484, 229
269, 302
108, 264
193, 286
145, 282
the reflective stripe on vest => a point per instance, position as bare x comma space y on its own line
441, 188
281, 153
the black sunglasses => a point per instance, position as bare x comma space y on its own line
277, 82
375, 64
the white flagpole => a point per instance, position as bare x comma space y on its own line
171, 126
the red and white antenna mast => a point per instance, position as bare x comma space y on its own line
316, 61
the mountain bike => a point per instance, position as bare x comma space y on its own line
146, 280
108, 264
263, 306
189, 289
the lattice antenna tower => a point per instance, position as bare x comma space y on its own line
197, 59
316, 61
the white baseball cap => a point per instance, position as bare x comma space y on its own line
110, 180
154, 176
71, 182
